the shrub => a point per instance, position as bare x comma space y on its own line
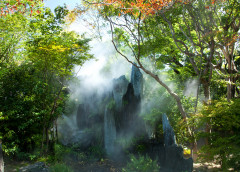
60, 168
141, 164
21, 156
62, 152
96, 152
224, 119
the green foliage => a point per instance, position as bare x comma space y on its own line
23, 156
224, 139
60, 168
14, 26
74, 153
96, 152
61, 153
132, 143
37, 61
19, 103
141, 164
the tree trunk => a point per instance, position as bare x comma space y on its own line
207, 95
196, 146
56, 130
1, 159
43, 133
47, 139
194, 151
174, 95
229, 92
206, 90
231, 88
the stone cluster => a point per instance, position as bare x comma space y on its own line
116, 115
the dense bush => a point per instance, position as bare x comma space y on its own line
96, 152
141, 164
21, 116
60, 168
223, 117
61, 153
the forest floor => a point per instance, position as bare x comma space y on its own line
81, 166
14, 166
104, 166
99, 166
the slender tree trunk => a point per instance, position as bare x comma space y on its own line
182, 111
207, 95
56, 130
47, 139
1, 158
229, 86
174, 95
43, 133
194, 150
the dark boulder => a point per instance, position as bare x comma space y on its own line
174, 160
37, 167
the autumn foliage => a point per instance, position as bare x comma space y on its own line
147, 7
8, 7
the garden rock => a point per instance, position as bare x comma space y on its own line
37, 167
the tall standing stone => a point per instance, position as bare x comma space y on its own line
168, 133
82, 116
109, 131
130, 110
131, 101
137, 81
119, 89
